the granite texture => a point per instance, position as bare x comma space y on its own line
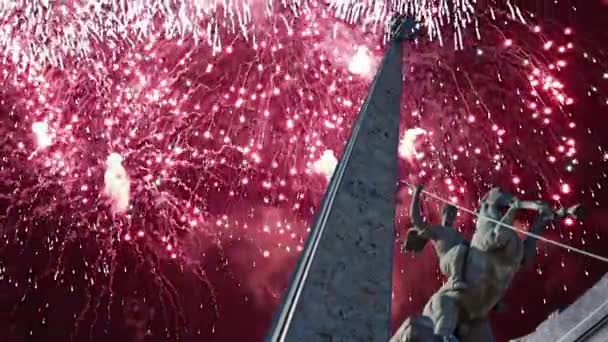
584, 320
343, 293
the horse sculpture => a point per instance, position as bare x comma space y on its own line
479, 272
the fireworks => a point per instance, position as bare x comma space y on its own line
138, 137
80, 29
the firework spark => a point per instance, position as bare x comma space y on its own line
116, 183
80, 29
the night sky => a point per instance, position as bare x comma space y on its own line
174, 209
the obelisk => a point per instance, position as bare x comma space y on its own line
341, 288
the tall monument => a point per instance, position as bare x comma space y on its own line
341, 288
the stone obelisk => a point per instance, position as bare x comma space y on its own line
341, 288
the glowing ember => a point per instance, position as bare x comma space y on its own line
117, 183
326, 164
361, 63
41, 130
407, 145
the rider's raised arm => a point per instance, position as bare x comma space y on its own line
415, 214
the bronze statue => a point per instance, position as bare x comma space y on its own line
479, 272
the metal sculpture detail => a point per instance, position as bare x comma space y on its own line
479, 272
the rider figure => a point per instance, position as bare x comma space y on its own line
449, 244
